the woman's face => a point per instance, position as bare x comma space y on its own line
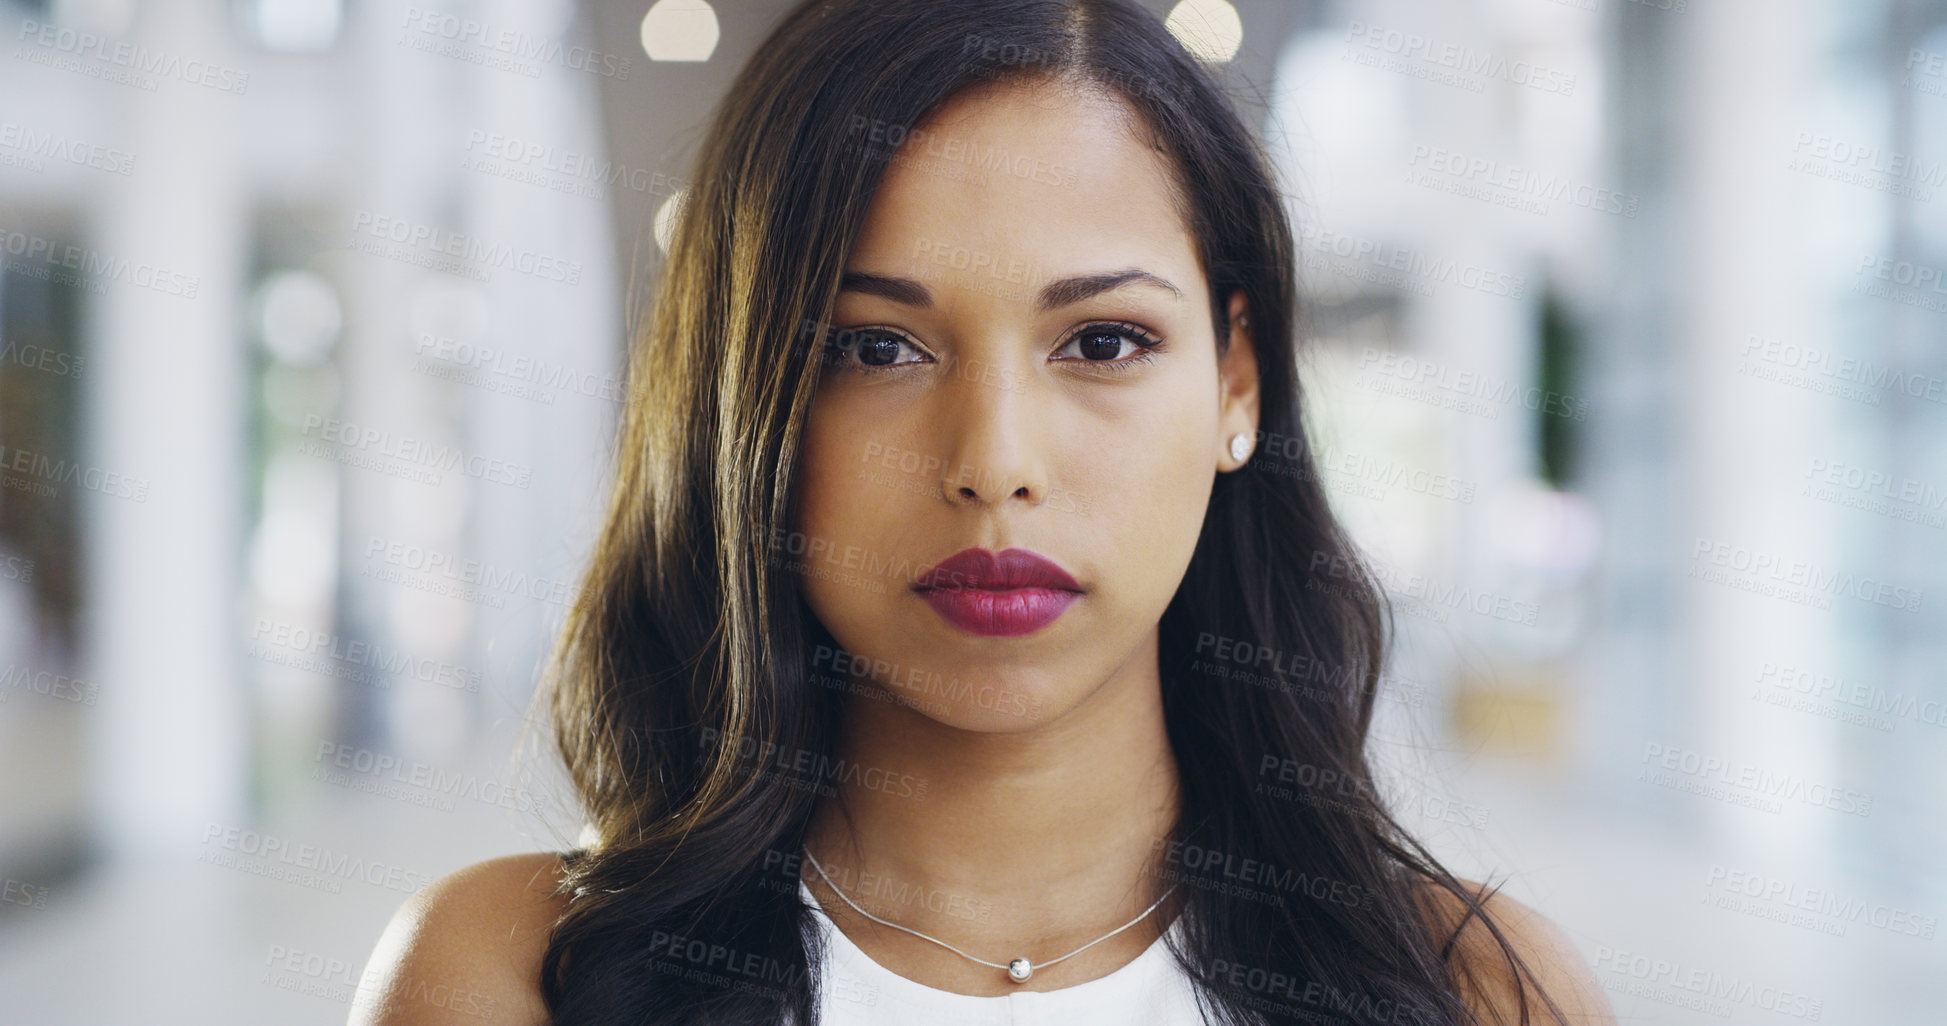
992, 390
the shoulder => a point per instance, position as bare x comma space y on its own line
1489, 985
466, 949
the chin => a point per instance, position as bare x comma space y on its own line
1000, 702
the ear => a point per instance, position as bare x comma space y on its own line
1237, 386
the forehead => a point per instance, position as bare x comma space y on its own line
1050, 176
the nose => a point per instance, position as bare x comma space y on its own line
993, 440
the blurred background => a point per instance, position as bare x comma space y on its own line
1628, 369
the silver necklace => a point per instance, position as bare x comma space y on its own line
1018, 969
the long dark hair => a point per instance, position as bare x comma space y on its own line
689, 645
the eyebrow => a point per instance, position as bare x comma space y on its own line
1056, 294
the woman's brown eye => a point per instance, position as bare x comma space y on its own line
875, 349
878, 350
1101, 344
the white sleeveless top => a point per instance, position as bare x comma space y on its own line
856, 991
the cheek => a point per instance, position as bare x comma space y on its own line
831, 470
1146, 491
851, 518
1151, 465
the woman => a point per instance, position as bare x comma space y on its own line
904, 686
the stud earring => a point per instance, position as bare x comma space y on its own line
1240, 446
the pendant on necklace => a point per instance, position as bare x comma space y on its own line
1019, 970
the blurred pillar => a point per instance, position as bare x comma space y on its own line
567, 321
1635, 659
408, 174
166, 406
1749, 69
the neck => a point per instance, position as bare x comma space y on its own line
1039, 837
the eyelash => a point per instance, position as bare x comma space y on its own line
1147, 343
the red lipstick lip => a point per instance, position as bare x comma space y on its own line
1002, 571
1006, 594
